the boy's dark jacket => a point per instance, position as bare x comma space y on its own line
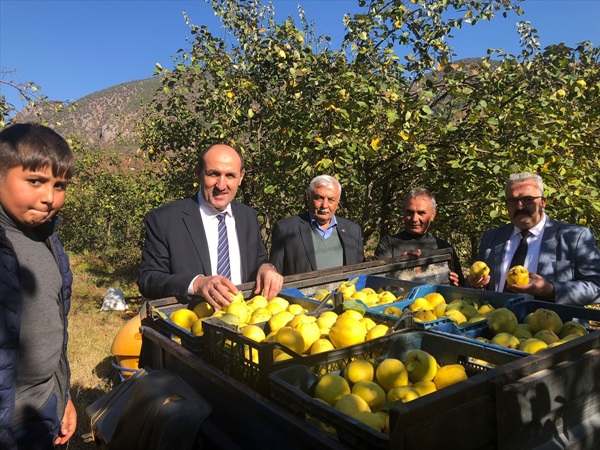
10, 321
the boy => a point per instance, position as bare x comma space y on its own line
35, 286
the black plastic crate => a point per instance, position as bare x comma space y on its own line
293, 387
162, 324
230, 351
160, 312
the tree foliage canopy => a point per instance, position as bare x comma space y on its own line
387, 112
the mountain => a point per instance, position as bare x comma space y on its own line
105, 118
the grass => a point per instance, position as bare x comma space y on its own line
91, 333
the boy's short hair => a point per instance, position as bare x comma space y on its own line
33, 146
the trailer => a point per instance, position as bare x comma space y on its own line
547, 400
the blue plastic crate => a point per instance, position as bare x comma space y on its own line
450, 293
520, 308
401, 288
566, 312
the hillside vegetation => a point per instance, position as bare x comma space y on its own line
106, 118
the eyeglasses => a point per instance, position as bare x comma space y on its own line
529, 200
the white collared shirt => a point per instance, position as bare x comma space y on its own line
211, 230
534, 245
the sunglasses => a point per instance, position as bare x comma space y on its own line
529, 200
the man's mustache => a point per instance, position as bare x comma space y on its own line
323, 211
522, 212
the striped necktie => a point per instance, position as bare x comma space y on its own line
223, 249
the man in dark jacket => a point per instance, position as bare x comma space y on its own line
181, 255
317, 238
419, 211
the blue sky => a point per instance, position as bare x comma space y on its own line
72, 48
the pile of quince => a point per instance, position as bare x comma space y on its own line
288, 324
462, 311
369, 296
366, 389
540, 329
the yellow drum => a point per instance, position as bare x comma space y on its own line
126, 347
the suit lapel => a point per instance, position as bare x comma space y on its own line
500, 246
305, 231
240, 228
193, 223
548, 249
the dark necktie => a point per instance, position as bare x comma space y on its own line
518, 258
223, 249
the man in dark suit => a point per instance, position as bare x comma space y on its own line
415, 239
180, 256
317, 239
562, 259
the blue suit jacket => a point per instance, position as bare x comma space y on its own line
176, 248
569, 259
292, 249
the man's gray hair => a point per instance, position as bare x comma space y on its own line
323, 180
525, 176
421, 192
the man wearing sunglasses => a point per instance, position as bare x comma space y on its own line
563, 259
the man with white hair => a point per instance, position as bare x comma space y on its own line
562, 259
316, 239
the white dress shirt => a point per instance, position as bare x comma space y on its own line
211, 230
534, 244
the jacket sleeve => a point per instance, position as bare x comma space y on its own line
277, 255
576, 275
155, 279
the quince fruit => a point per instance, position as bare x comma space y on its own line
506, 340
421, 366
291, 339
532, 345
435, 298
546, 319
321, 345
424, 387
547, 336
359, 370
419, 304
480, 269
424, 315
403, 393
518, 275
204, 309
571, 327
391, 373
347, 331
331, 387
377, 331
449, 375
351, 404
502, 320
370, 392
253, 332
184, 318
371, 419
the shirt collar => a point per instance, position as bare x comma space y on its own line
209, 210
315, 224
536, 230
